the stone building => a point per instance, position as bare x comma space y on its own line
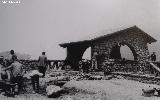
108, 46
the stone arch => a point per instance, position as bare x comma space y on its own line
126, 52
87, 53
115, 51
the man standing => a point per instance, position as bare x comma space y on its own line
16, 73
3, 74
14, 57
153, 56
42, 63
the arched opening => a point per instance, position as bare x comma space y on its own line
123, 50
126, 52
87, 54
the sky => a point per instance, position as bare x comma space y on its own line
33, 26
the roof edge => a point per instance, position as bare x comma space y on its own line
150, 38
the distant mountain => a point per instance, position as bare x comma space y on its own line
7, 55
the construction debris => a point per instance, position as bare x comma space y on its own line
53, 91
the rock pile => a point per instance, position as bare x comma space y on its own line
53, 91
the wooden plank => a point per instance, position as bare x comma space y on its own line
154, 66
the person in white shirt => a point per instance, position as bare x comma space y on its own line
35, 74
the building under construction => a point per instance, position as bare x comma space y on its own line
107, 46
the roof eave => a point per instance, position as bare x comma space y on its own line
64, 45
151, 39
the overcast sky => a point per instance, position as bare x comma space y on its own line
34, 26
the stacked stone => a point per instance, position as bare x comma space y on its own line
132, 38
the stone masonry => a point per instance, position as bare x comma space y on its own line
133, 37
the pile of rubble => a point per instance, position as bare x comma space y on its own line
54, 81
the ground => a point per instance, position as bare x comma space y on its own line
114, 89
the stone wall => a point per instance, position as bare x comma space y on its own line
132, 38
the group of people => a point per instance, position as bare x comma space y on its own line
12, 70
84, 66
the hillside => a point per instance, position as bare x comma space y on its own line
7, 55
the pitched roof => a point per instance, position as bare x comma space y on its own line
106, 34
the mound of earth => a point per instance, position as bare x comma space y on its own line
6, 55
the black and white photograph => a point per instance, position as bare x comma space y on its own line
79, 50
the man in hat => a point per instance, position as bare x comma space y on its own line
42, 63
153, 56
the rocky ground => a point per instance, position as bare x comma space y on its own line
114, 89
